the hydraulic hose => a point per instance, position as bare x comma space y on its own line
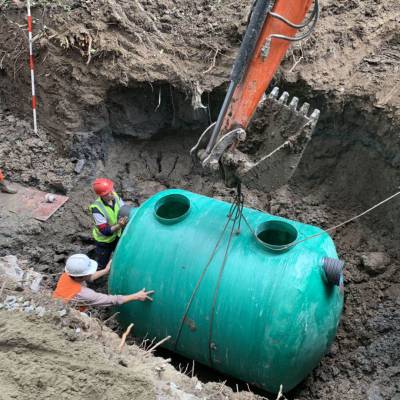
257, 18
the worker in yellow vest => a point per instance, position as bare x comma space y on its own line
108, 226
71, 287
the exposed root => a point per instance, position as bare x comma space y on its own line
123, 339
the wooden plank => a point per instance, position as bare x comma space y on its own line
31, 202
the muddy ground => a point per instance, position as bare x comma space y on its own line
120, 86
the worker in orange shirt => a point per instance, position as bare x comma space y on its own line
71, 287
4, 187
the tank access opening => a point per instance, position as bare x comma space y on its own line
172, 208
276, 235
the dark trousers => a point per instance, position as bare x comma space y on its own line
104, 252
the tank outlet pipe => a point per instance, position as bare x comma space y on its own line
332, 271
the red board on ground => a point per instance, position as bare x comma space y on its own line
31, 202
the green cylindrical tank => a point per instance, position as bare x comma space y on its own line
266, 315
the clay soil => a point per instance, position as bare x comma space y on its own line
122, 86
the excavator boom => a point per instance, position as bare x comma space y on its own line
272, 28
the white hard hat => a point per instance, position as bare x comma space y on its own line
80, 265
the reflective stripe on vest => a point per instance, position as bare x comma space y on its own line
111, 215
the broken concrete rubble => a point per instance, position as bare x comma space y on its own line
12, 303
10, 269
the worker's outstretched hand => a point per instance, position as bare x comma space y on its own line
144, 295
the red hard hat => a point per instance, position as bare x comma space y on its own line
103, 186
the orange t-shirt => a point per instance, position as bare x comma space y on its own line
66, 288
1, 176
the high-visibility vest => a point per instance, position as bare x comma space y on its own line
111, 215
67, 289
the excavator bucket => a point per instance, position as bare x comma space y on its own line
274, 145
280, 130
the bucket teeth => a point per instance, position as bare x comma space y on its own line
262, 101
315, 115
284, 98
304, 109
294, 103
274, 93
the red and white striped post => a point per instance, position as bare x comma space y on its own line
31, 64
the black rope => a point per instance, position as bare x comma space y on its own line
237, 210
221, 271
240, 204
199, 282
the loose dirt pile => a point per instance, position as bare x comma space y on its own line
40, 360
59, 352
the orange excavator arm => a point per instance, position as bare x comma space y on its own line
273, 26
268, 54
